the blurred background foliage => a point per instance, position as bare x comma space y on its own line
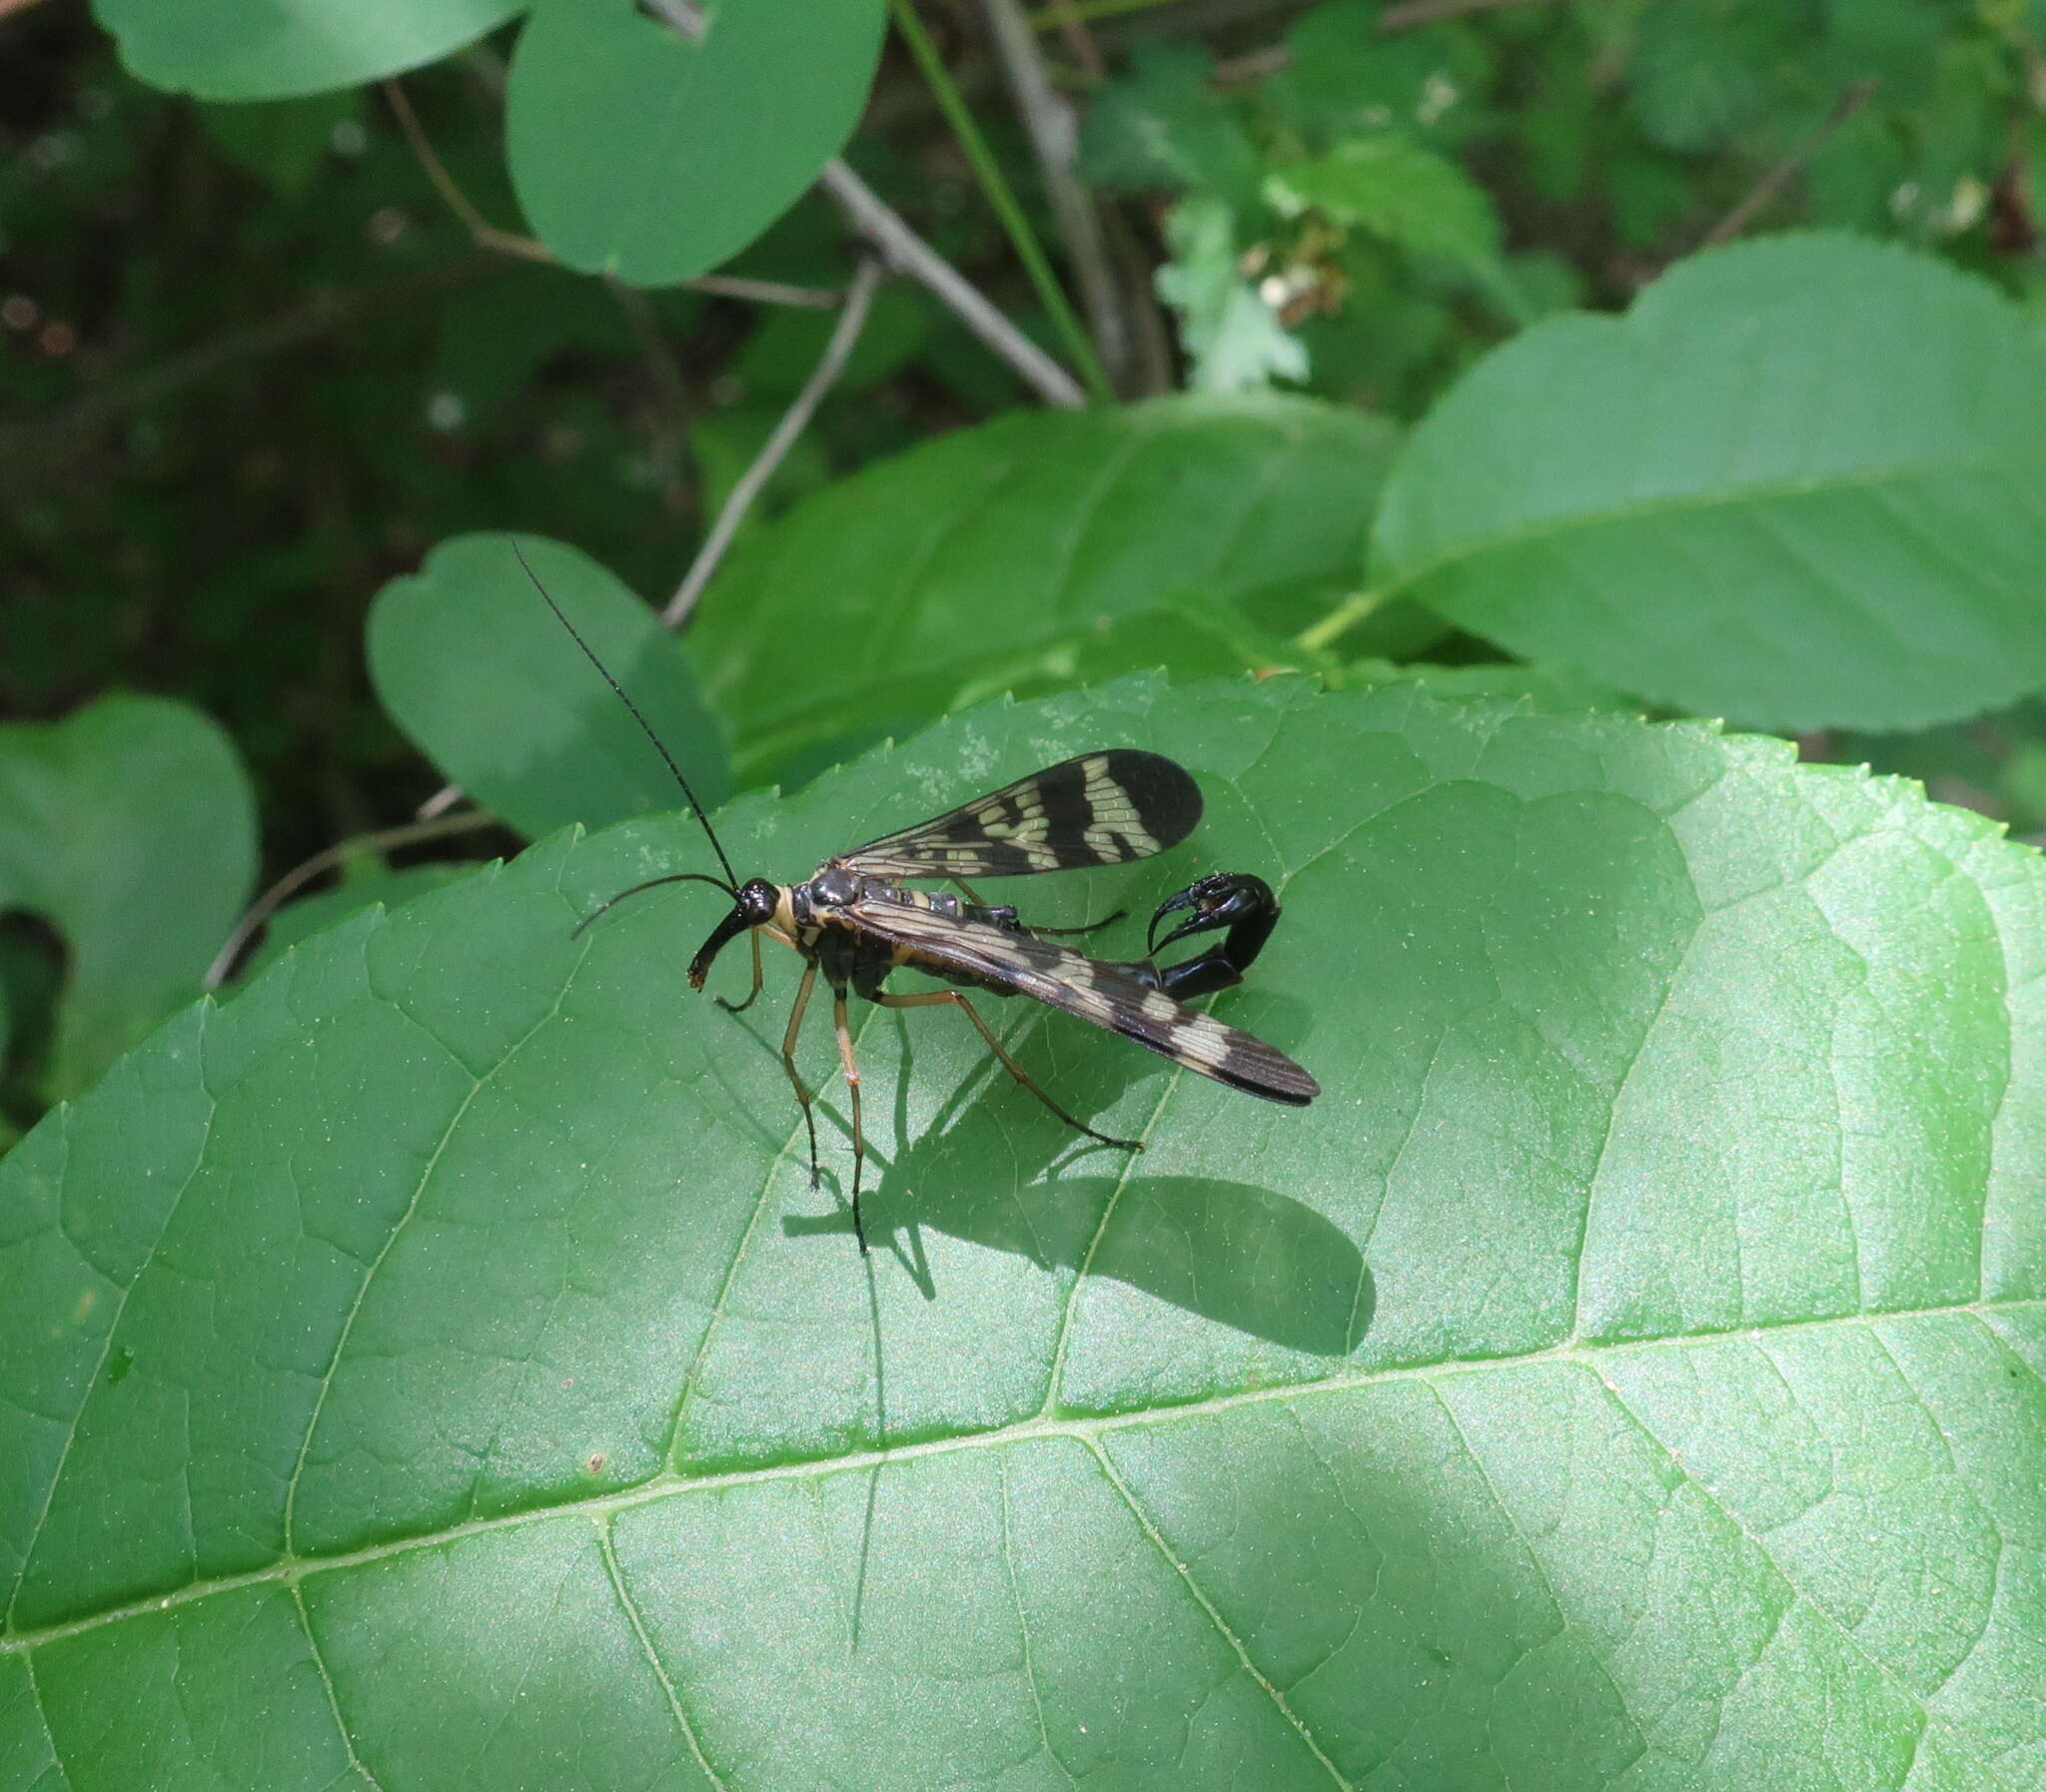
258, 361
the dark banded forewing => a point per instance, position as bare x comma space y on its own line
1108, 995
1098, 810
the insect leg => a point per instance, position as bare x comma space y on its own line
973, 896
758, 979
926, 998
802, 1095
859, 1138
1068, 933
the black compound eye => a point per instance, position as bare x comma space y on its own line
758, 901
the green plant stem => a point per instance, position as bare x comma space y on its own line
1000, 196
1319, 636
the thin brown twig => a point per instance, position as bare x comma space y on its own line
440, 802
482, 232
1239, 71
858, 296
1080, 44
1774, 179
906, 253
1054, 134
766, 291
903, 252
1151, 343
487, 235
296, 879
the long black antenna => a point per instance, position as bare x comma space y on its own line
652, 883
731, 882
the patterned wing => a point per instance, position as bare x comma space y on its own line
1108, 995
1098, 810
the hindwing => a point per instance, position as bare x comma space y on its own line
1111, 996
1097, 809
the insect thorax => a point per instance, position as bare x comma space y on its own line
836, 888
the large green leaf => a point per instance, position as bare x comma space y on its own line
130, 827
430, 1369
1043, 537
640, 152
1803, 482
477, 670
229, 50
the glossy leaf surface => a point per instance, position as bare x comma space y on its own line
130, 828
1799, 484
642, 152
228, 50
430, 1367
1039, 538
474, 666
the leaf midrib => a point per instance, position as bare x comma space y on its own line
289, 1570
1547, 526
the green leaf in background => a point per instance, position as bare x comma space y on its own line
504, 332
1194, 635
639, 153
1346, 75
430, 1367
488, 684
870, 604
229, 50
1162, 128
724, 443
1801, 484
130, 827
1415, 199
1233, 339
1699, 69
786, 345
282, 141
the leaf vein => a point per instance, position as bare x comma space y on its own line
671, 1485
1927, 1717
607, 1546
333, 1692
1214, 1615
